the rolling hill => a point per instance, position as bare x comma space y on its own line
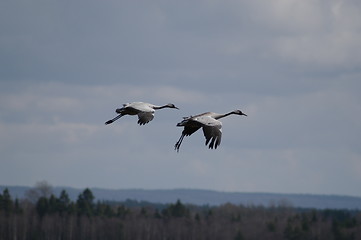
207, 197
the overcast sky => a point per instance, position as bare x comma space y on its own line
294, 67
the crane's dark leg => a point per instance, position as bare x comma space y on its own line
177, 145
114, 119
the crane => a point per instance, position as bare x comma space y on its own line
145, 111
212, 128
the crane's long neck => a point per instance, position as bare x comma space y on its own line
160, 107
218, 116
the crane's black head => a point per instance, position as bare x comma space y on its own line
171, 105
239, 112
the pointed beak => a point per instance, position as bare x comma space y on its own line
176, 107
244, 114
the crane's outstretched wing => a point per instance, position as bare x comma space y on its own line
213, 134
145, 117
212, 130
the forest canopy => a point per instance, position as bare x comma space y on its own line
58, 217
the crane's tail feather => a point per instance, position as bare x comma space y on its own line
114, 119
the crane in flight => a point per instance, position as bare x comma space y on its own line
145, 111
212, 128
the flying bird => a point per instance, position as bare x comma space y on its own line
145, 111
212, 128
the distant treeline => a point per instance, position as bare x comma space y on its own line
43, 215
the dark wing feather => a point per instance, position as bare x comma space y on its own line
212, 130
145, 117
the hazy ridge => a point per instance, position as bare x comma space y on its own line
207, 197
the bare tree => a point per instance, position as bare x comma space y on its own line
41, 189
